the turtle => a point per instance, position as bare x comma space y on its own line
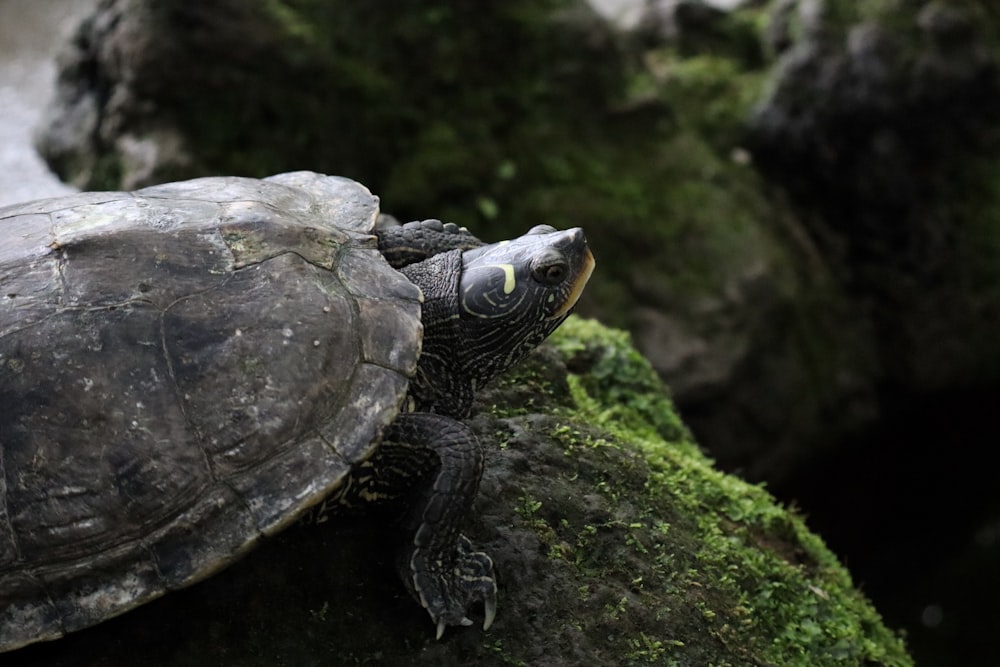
192, 367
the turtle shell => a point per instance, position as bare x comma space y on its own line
183, 370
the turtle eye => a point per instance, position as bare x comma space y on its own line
551, 273
541, 229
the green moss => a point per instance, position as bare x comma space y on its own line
758, 577
618, 383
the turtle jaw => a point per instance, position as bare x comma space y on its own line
576, 288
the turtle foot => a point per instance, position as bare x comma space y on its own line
447, 587
405, 244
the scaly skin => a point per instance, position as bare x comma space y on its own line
485, 307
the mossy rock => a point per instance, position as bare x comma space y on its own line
615, 538
500, 116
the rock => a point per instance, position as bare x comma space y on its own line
100, 128
500, 117
580, 123
615, 540
884, 129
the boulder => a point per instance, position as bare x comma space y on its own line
616, 543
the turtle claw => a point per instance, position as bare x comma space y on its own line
441, 625
446, 590
490, 611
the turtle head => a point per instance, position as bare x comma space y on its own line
513, 294
486, 308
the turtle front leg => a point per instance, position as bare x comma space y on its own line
438, 564
405, 244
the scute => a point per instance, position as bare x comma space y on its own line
191, 366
